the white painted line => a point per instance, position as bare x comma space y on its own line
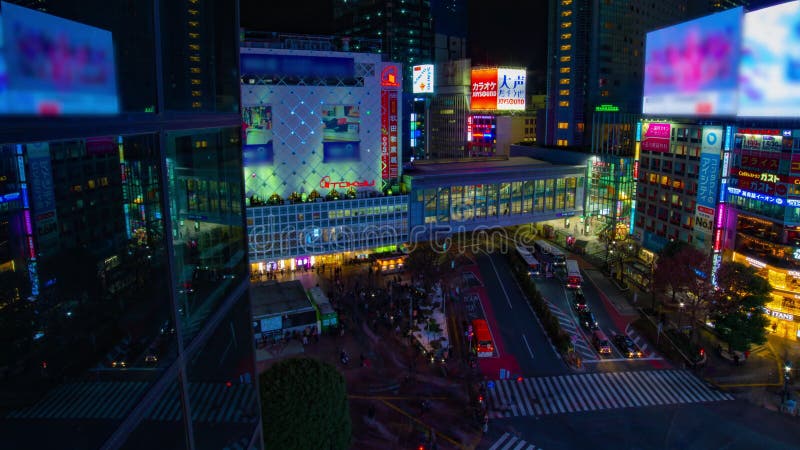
649, 358
526, 345
503, 286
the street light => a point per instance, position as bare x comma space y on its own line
680, 314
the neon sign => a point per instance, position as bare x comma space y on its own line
606, 108
326, 183
755, 263
756, 196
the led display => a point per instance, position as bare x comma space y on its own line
498, 89
53, 66
769, 83
692, 68
484, 89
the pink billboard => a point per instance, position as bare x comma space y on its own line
655, 136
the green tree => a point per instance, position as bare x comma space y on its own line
304, 405
737, 312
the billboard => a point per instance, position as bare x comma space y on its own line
692, 68
484, 89
257, 135
511, 89
340, 133
770, 66
656, 136
53, 66
422, 78
498, 89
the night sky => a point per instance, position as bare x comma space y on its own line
502, 32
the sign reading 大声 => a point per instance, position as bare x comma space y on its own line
498, 89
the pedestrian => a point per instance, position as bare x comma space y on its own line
305, 339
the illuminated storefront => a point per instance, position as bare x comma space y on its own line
783, 311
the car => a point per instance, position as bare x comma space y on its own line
588, 321
579, 301
626, 346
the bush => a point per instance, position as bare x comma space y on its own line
304, 405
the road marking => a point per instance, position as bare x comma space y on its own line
502, 286
649, 358
564, 394
526, 345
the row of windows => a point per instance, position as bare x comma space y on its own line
562, 143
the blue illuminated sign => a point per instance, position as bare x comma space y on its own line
761, 197
708, 180
9, 197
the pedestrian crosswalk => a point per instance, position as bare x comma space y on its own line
112, 400
509, 441
582, 347
597, 391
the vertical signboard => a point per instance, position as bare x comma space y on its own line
385, 134
422, 78
655, 136
484, 89
707, 183
393, 134
40, 178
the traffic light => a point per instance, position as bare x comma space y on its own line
702, 352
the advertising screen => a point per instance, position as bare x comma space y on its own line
692, 68
53, 66
422, 77
484, 89
257, 135
340, 133
770, 67
511, 89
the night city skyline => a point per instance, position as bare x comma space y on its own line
399, 224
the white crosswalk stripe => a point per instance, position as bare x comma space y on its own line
510, 442
112, 400
597, 391
568, 324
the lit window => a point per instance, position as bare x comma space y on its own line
565, 58
566, 2
562, 143
566, 24
563, 92
603, 93
563, 125
566, 36
564, 81
579, 126
563, 103
566, 13
566, 47
565, 69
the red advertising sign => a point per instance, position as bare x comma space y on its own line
760, 162
656, 136
393, 134
484, 89
385, 135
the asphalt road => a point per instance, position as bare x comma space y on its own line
516, 321
723, 425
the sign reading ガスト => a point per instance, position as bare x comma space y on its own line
498, 89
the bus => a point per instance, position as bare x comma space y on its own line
549, 253
531, 262
482, 338
574, 279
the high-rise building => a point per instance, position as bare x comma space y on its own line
450, 29
124, 304
596, 57
405, 28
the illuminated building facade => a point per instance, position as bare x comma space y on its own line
596, 57
321, 133
126, 306
467, 195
